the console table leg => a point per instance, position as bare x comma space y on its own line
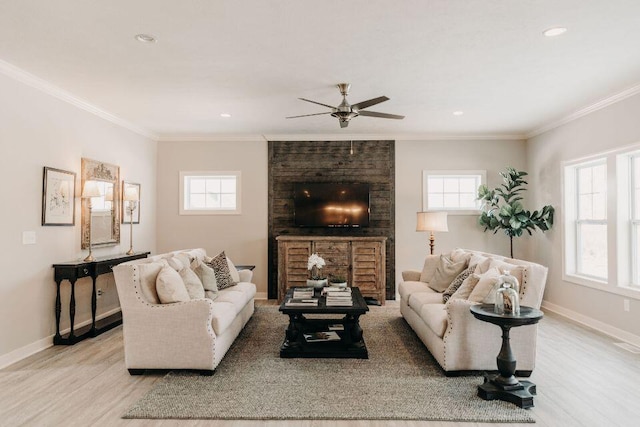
94, 305
57, 336
72, 309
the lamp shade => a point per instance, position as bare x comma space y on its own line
90, 189
432, 221
109, 196
131, 194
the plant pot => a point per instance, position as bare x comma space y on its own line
318, 284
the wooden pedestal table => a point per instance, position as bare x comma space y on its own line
505, 385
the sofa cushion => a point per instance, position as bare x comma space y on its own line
430, 264
405, 289
446, 271
485, 289
192, 283
221, 269
238, 295
456, 283
208, 278
223, 315
418, 299
435, 316
170, 287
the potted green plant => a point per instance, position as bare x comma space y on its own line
338, 281
503, 209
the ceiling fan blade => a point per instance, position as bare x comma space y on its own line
344, 123
319, 103
380, 115
369, 103
307, 115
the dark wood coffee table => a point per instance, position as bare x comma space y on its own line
505, 385
351, 343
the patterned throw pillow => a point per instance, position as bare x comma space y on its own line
457, 282
221, 269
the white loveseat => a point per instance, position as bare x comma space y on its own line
185, 335
457, 340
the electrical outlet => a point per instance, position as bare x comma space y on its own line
99, 293
625, 304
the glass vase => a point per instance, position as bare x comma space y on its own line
507, 301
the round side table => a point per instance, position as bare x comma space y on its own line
505, 385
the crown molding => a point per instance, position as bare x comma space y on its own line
211, 138
29, 79
396, 137
610, 100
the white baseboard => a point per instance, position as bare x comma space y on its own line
591, 323
261, 295
35, 347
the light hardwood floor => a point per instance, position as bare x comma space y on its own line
582, 378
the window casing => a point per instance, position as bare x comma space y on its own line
452, 191
634, 175
210, 193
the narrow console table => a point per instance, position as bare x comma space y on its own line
74, 270
505, 385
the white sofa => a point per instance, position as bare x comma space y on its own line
187, 335
457, 340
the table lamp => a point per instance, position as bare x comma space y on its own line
432, 221
90, 190
131, 196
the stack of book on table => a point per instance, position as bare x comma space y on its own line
338, 297
321, 336
302, 297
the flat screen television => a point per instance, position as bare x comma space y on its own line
331, 205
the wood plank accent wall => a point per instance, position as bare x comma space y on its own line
373, 163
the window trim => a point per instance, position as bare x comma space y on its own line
451, 211
220, 211
634, 223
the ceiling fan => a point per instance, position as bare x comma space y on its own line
345, 112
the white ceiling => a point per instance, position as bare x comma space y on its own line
254, 58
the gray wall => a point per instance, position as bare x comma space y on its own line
610, 128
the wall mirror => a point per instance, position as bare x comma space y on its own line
103, 227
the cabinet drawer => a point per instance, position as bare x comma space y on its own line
331, 248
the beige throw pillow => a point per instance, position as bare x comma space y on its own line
430, 264
445, 272
485, 290
208, 278
466, 288
170, 287
192, 283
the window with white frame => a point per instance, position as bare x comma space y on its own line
635, 218
586, 219
209, 193
453, 191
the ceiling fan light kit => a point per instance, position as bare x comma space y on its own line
345, 111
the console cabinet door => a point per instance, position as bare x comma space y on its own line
368, 268
292, 265
336, 255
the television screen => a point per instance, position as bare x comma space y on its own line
331, 205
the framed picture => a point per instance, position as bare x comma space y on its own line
129, 189
58, 197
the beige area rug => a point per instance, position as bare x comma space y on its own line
399, 381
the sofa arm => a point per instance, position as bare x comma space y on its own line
245, 275
411, 275
169, 336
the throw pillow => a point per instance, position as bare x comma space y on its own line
481, 262
221, 269
192, 283
208, 278
445, 272
174, 263
233, 271
184, 258
485, 290
458, 255
466, 288
430, 264
148, 272
457, 282
170, 287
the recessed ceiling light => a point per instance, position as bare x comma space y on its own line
458, 113
225, 115
145, 38
555, 31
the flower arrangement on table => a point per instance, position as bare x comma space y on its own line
314, 265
